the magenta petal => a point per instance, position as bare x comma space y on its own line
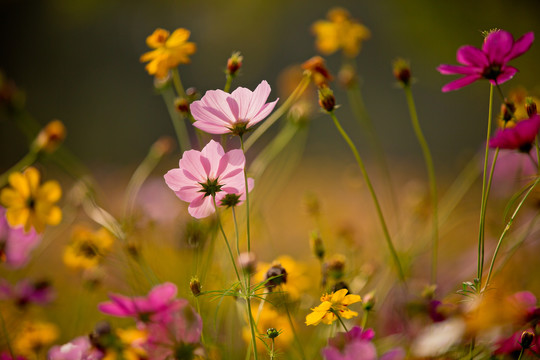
521, 46
457, 69
212, 128
191, 164
497, 46
525, 298
201, 207
507, 73
471, 56
162, 294
459, 83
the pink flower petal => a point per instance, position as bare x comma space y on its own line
497, 46
212, 154
263, 113
457, 69
507, 73
191, 163
521, 46
201, 207
258, 99
459, 83
471, 56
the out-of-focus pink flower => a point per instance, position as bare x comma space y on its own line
219, 112
490, 62
178, 337
155, 200
519, 137
356, 345
512, 346
6, 356
156, 306
26, 292
208, 173
78, 349
15, 244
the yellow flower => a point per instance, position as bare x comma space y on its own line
132, 341
29, 204
332, 304
169, 51
34, 337
87, 248
270, 318
297, 281
340, 32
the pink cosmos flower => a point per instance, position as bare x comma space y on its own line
6, 356
15, 244
357, 345
178, 337
156, 306
219, 112
26, 292
209, 173
490, 62
78, 349
520, 137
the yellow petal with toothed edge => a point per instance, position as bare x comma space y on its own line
315, 317
49, 192
178, 37
348, 314
17, 216
338, 296
11, 198
19, 183
351, 299
32, 177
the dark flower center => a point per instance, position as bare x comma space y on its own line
88, 250
31, 203
211, 187
184, 351
525, 148
492, 72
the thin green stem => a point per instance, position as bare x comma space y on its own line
6, 334
227, 87
226, 240
521, 353
506, 229
236, 232
178, 83
364, 319
295, 335
177, 120
432, 180
251, 327
247, 199
373, 196
279, 112
340, 320
480, 263
537, 155
27, 160
199, 312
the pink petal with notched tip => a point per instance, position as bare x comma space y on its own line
497, 46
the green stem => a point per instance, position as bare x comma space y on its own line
432, 180
279, 112
364, 319
521, 353
178, 83
295, 335
199, 312
247, 199
27, 160
177, 120
480, 264
251, 327
340, 320
227, 87
506, 229
373, 196
226, 240
6, 334
236, 232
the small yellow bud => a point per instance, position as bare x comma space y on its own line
402, 71
327, 101
234, 63
50, 137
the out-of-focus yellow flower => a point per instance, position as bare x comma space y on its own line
270, 318
169, 51
87, 247
332, 304
340, 32
34, 338
132, 345
297, 281
30, 204
518, 98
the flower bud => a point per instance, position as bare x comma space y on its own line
277, 275
335, 267
327, 101
195, 286
248, 262
340, 285
181, 105
317, 246
319, 73
50, 137
402, 71
527, 339
272, 333
368, 301
234, 63
508, 109
530, 106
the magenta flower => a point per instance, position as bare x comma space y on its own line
78, 349
490, 62
219, 112
178, 337
206, 174
156, 306
15, 244
520, 137
357, 345
6, 356
26, 292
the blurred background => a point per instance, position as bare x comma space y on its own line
78, 61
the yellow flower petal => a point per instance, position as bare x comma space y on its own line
338, 296
19, 183
32, 177
17, 216
347, 314
351, 299
315, 317
178, 37
54, 217
11, 198
49, 192
157, 39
